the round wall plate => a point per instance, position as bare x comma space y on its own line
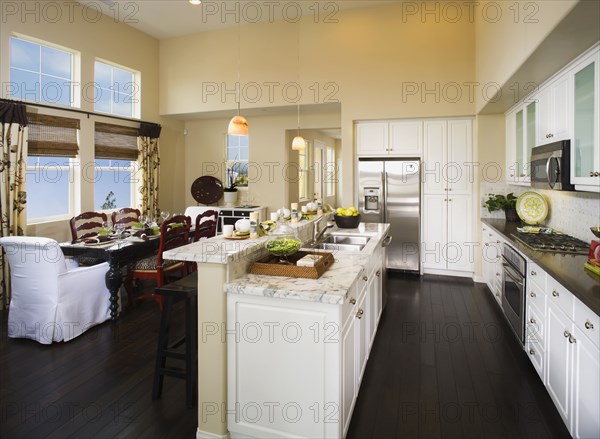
207, 189
532, 207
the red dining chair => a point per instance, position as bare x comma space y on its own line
174, 232
126, 216
206, 225
86, 224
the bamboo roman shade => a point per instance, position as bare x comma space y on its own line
116, 142
52, 136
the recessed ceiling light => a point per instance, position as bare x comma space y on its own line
195, 2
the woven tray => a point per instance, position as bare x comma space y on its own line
272, 267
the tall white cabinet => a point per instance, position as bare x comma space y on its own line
447, 175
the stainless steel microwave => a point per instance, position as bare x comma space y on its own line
551, 166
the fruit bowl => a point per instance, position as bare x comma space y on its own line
347, 222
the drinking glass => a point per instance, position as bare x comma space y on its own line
143, 220
119, 229
165, 215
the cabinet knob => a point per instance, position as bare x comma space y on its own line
365, 278
378, 273
445, 199
533, 273
497, 242
596, 174
497, 294
555, 293
359, 314
522, 175
497, 274
588, 325
531, 352
592, 174
532, 294
566, 334
486, 244
353, 301
512, 175
572, 339
449, 199
532, 321
449, 189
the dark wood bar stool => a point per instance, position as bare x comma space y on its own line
186, 288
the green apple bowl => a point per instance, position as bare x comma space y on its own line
347, 222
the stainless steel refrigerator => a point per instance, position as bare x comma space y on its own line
389, 191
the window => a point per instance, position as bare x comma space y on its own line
303, 173
115, 167
40, 73
237, 160
330, 172
116, 90
49, 188
114, 186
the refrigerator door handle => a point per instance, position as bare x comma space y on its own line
384, 185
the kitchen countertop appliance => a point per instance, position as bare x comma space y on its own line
389, 192
551, 166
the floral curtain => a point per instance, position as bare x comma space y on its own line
13, 121
149, 162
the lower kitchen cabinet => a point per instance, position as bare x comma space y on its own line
491, 261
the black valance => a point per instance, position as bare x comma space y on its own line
151, 130
13, 112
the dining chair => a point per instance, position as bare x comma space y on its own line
51, 300
206, 225
174, 232
126, 215
86, 224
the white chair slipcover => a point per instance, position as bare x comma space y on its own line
52, 300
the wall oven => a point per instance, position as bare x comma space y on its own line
551, 166
514, 267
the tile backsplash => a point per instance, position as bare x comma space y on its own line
570, 212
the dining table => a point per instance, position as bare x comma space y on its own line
118, 254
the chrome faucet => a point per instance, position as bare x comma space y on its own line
319, 234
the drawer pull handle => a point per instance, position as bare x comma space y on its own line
532, 321
589, 325
533, 273
353, 301
566, 334
532, 294
531, 352
360, 313
572, 339
555, 293
365, 278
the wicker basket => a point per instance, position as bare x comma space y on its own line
272, 267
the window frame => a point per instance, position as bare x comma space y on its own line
136, 95
75, 98
304, 173
229, 163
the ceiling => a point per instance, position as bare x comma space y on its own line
164, 19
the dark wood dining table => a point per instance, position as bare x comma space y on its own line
117, 255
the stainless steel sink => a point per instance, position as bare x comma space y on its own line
346, 239
334, 247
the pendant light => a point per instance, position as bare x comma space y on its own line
298, 144
238, 126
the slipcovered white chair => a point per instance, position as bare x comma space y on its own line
51, 299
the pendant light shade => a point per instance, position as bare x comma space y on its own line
238, 126
299, 144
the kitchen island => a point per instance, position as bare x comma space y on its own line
280, 356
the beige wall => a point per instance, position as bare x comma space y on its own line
269, 155
371, 59
117, 43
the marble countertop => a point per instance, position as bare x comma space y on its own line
332, 287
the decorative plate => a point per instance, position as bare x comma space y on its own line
532, 207
207, 189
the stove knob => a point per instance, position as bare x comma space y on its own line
562, 247
572, 248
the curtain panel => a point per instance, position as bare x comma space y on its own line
149, 162
13, 133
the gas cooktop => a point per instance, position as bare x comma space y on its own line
555, 242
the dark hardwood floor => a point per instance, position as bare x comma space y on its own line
443, 364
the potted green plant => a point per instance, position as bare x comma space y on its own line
503, 202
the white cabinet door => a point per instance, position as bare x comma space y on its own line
372, 138
435, 217
544, 116
561, 109
361, 325
558, 362
460, 250
585, 149
586, 387
435, 150
349, 381
406, 137
459, 168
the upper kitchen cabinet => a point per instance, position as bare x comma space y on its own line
553, 110
395, 138
520, 139
585, 147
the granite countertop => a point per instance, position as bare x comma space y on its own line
332, 287
567, 269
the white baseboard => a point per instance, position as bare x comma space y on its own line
448, 272
208, 435
478, 279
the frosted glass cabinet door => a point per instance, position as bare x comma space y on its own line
585, 160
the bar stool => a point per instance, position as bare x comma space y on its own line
185, 288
